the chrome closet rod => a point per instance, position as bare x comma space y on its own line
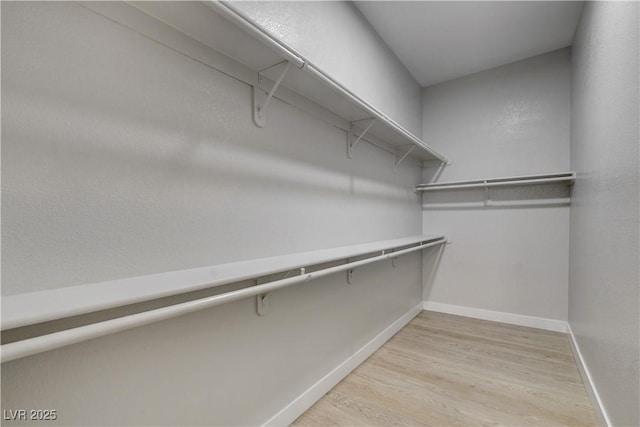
489, 183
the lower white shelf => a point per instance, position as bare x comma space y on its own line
37, 307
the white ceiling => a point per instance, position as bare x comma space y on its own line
442, 40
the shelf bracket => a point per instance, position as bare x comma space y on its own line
350, 273
487, 189
351, 135
263, 301
397, 162
260, 103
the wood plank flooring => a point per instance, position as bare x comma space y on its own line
449, 370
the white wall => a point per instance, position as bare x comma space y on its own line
604, 278
336, 37
512, 120
121, 157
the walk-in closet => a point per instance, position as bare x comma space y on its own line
243, 213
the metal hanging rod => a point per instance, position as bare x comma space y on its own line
245, 22
31, 346
568, 177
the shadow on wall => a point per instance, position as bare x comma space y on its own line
157, 151
430, 263
533, 196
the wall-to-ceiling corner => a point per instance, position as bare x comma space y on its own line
508, 259
604, 238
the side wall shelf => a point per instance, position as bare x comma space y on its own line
511, 181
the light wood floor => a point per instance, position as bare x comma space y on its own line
449, 370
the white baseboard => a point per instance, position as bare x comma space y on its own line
596, 402
303, 402
498, 316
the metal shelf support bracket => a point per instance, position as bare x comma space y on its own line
349, 276
261, 101
263, 301
351, 135
488, 201
397, 161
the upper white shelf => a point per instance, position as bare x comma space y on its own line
223, 28
36, 307
554, 178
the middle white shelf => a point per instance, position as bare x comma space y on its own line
47, 305
36, 308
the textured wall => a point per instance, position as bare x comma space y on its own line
604, 278
116, 166
334, 36
121, 157
512, 120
